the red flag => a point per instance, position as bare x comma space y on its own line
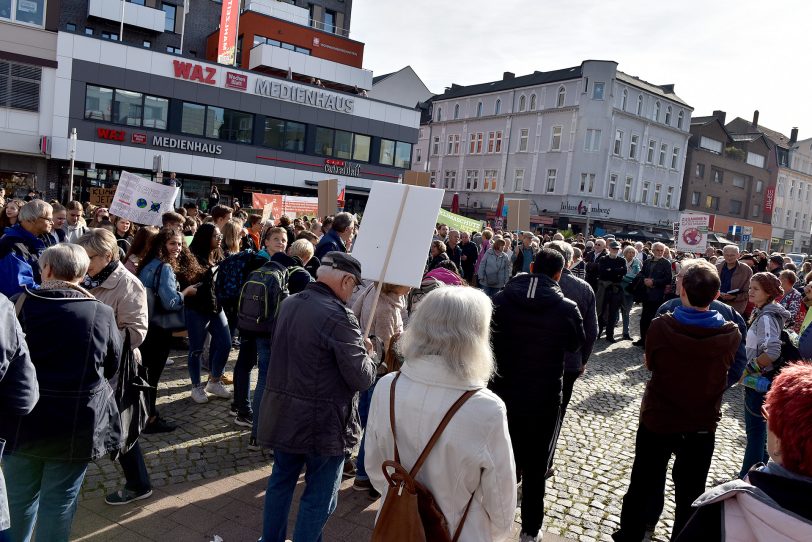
455, 204
341, 198
499, 221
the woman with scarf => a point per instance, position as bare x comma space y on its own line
75, 347
113, 285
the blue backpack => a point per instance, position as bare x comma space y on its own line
232, 274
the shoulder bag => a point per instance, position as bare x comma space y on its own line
170, 320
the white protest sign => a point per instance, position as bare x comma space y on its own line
398, 224
141, 200
693, 232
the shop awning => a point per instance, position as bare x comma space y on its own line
716, 239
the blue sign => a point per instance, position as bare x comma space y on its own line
504, 210
746, 238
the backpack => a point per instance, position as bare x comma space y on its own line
233, 272
260, 298
410, 513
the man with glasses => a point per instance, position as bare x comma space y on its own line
22, 245
735, 278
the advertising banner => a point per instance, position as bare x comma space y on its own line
141, 200
286, 205
693, 232
458, 222
227, 44
769, 200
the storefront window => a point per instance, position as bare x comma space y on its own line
324, 141
403, 155
387, 154
361, 151
343, 145
127, 107
156, 111
193, 121
238, 126
274, 133
98, 103
294, 136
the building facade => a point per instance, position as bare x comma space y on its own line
587, 142
728, 177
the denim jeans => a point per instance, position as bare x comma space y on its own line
756, 429
196, 325
44, 492
364, 402
251, 347
318, 502
625, 309
135, 470
491, 291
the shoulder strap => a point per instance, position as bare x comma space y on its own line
18, 305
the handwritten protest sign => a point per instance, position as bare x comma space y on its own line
141, 200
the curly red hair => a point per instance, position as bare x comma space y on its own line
789, 409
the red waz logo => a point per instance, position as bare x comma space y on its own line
114, 135
194, 72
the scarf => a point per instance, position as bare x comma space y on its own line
56, 284
98, 279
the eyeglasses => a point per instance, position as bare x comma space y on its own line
47, 219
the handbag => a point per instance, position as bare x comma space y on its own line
170, 320
131, 397
637, 288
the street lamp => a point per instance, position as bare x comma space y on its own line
72, 154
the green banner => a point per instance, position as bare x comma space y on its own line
459, 222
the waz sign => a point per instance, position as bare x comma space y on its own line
194, 72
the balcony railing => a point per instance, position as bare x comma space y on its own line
134, 14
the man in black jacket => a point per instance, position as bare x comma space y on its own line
470, 252
531, 371
611, 269
657, 273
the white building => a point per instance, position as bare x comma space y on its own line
571, 140
403, 87
793, 199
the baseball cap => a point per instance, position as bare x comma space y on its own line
343, 262
777, 259
614, 244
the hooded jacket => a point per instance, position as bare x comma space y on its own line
533, 326
19, 253
689, 366
494, 269
764, 334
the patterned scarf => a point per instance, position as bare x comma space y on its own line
56, 284
98, 279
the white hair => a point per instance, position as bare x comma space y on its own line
327, 272
558, 237
453, 323
564, 248
729, 248
658, 245
67, 261
33, 210
630, 250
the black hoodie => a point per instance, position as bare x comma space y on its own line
533, 326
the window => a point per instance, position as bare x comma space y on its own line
524, 137
70, 27
147, 44
562, 96
656, 111
479, 109
593, 140
518, 180
712, 202
616, 149
495, 142
780, 187
555, 138
551, 174
453, 142
674, 158
432, 178
646, 187
19, 86
435, 146
650, 154
532, 102
156, 112
261, 40
755, 159
669, 197
587, 182
285, 135
612, 185
759, 186
324, 141
475, 143
522, 102
640, 104
456, 111
663, 151
739, 181
680, 118
450, 179
228, 125
361, 143
668, 115
439, 114
471, 179
23, 11
795, 223
789, 214
624, 100
386, 156
171, 12
657, 189
173, 50
127, 108
88, 31
633, 146
498, 107
718, 175
403, 155
489, 179
193, 120
112, 36
695, 198
700, 171
710, 145
597, 90
792, 189
627, 189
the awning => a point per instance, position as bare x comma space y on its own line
717, 239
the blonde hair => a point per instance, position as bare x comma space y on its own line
231, 235
303, 249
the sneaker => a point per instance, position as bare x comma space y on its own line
349, 469
227, 379
124, 496
169, 361
216, 388
252, 444
159, 426
524, 537
232, 411
199, 396
244, 421
362, 485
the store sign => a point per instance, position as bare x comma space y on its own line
194, 72
340, 167
112, 135
297, 94
236, 81
769, 200
186, 145
582, 208
139, 138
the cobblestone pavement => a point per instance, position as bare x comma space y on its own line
207, 482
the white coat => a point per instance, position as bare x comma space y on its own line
473, 455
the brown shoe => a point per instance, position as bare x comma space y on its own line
227, 378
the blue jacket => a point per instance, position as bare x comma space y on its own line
329, 243
168, 291
739, 362
19, 253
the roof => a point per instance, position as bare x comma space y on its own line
666, 91
744, 126
702, 120
533, 79
380, 78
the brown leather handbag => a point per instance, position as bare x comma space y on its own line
410, 513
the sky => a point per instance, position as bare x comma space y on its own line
735, 55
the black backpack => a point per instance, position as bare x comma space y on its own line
260, 298
232, 274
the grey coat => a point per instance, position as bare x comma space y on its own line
580, 291
318, 363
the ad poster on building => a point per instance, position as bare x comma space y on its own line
227, 45
693, 232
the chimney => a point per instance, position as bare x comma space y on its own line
721, 115
668, 89
793, 136
755, 118
508, 75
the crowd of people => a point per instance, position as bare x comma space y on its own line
435, 390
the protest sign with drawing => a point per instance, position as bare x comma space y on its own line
141, 200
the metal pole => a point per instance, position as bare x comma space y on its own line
183, 28
121, 28
588, 210
72, 152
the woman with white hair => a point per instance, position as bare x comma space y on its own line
633, 267
75, 347
470, 471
